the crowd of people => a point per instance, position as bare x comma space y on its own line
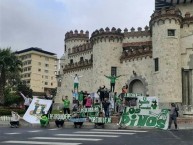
106, 100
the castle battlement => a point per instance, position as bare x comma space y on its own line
164, 14
81, 48
138, 33
136, 50
77, 66
77, 35
188, 19
111, 35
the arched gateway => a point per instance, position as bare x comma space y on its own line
138, 84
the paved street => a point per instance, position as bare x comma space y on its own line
44, 136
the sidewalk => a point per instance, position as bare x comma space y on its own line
183, 123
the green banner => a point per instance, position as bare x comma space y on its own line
87, 110
60, 116
158, 118
132, 95
100, 119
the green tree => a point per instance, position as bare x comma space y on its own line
24, 89
10, 65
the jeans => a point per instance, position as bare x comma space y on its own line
106, 112
66, 111
112, 87
173, 117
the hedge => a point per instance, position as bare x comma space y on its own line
7, 111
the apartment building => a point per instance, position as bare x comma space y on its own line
39, 69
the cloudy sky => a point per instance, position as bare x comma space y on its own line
43, 23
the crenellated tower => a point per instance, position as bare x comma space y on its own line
75, 38
165, 26
107, 49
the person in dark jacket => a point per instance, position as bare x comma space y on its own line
101, 92
59, 121
106, 104
100, 124
79, 123
173, 115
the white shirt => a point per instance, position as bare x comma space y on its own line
27, 101
76, 78
15, 116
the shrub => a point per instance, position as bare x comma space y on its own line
7, 111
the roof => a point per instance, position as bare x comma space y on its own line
167, 3
35, 49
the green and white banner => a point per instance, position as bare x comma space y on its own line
132, 95
147, 102
60, 116
100, 119
93, 109
158, 118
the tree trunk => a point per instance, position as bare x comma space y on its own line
2, 87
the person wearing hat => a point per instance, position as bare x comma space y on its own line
59, 121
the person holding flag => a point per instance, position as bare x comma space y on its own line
27, 100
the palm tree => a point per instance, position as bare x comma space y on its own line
9, 65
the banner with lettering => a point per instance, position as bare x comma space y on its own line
158, 118
78, 119
36, 109
60, 116
147, 102
100, 119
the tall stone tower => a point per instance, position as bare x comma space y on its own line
73, 39
165, 25
107, 49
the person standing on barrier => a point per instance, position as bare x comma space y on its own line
113, 79
66, 105
173, 116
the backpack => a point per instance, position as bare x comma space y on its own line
177, 114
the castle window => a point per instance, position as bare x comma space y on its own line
114, 71
65, 47
69, 51
156, 63
71, 61
171, 32
81, 59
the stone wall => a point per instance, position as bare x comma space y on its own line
143, 68
188, 7
85, 83
167, 81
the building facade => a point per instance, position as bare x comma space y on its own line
39, 69
157, 60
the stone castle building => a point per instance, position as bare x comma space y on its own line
156, 60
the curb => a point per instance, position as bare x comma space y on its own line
88, 125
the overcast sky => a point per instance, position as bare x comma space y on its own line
43, 23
